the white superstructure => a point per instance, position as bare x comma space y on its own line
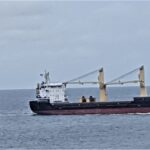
53, 92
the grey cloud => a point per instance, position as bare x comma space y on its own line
70, 38
23, 8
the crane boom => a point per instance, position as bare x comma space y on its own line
123, 82
112, 82
81, 77
83, 82
96, 82
123, 76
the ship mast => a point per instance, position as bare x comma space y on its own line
46, 77
143, 90
102, 87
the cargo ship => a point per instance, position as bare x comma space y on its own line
51, 97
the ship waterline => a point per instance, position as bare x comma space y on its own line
94, 111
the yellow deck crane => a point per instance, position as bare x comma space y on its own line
102, 85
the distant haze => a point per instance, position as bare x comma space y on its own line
69, 39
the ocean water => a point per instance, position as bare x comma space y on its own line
20, 129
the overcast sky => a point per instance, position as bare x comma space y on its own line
71, 38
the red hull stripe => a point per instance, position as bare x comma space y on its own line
95, 111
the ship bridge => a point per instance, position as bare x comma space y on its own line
53, 92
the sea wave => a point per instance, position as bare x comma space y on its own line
15, 114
